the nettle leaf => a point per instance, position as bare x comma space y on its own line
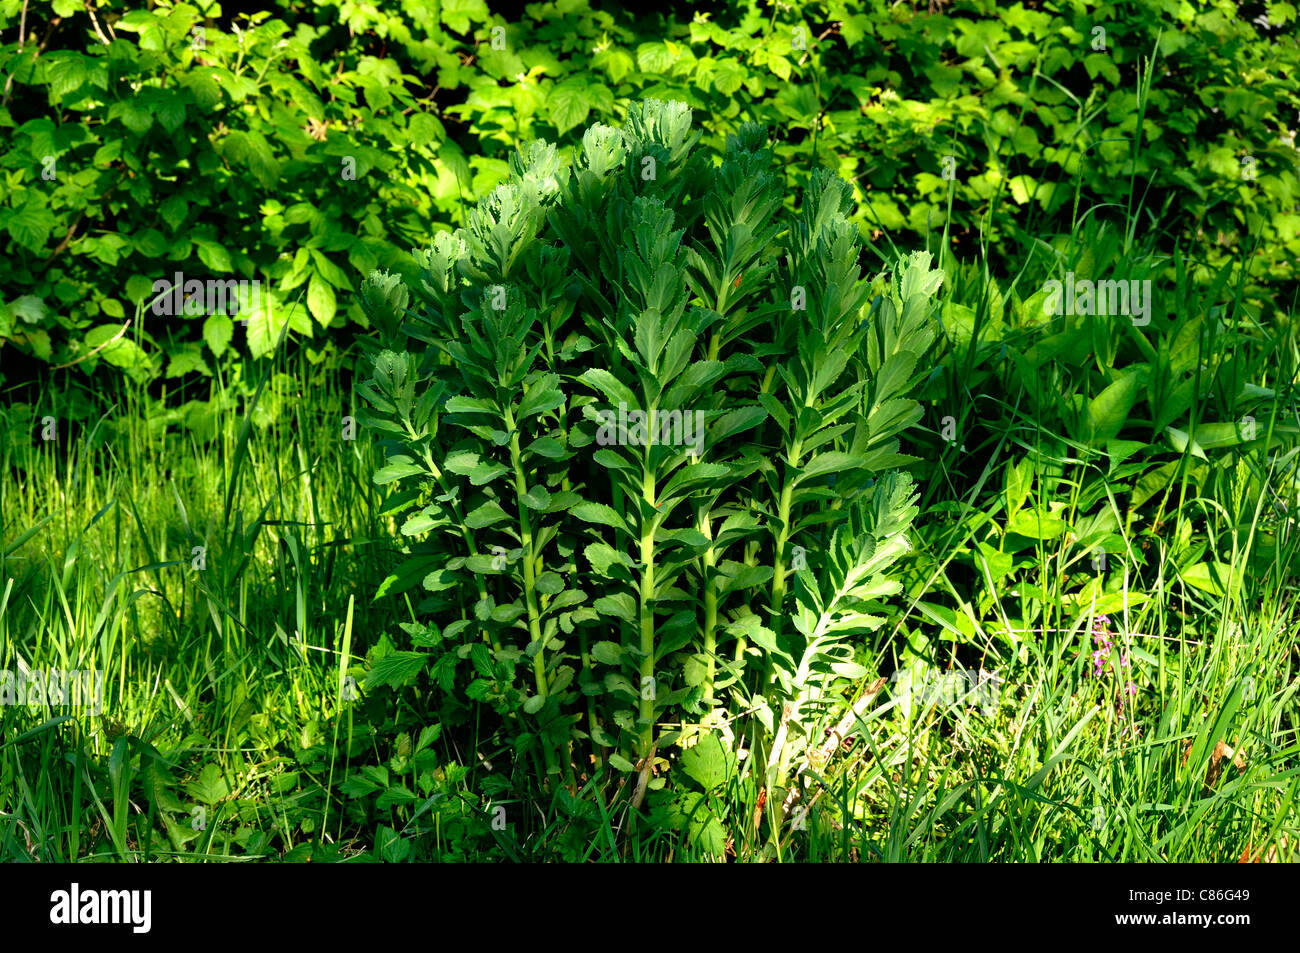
330, 272
268, 320
703, 830
654, 57
569, 103
166, 105
396, 668
213, 255
250, 150
118, 350
616, 62
320, 299
30, 224
728, 76
708, 762
358, 786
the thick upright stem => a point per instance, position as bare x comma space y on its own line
529, 561
783, 508
585, 651
709, 562
647, 686
480, 582
530, 572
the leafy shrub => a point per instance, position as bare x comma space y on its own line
642, 430
988, 124
168, 145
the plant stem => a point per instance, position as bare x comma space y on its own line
585, 652
647, 703
782, 539
530, 571
479, 580
529, 560
709, 562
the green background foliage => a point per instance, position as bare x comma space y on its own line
228, 160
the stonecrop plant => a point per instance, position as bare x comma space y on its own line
641, 424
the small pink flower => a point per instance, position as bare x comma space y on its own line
1104, 657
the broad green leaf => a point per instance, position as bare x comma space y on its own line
569, 104
654, 57
1109, 410
320, 299
397, 468
707, 761
601, 514
1036, 525
209, 787
1211, 577
480, 472
1019, 481
217, 332
395, 668
826, 463
485, 515
620, 605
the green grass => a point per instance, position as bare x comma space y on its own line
225, 660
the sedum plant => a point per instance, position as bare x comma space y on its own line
641, 423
